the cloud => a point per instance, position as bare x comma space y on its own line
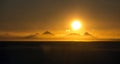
8, 36
31, 36
74, 34
5, 36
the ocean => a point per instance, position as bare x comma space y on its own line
60, 52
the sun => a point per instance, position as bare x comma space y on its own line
76, 25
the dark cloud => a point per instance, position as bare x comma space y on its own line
12, 37
31, 36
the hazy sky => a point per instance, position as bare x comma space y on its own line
37, 15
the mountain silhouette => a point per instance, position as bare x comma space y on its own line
47, 33
87, 34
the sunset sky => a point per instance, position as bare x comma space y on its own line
101, 17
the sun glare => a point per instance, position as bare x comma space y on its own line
76, 25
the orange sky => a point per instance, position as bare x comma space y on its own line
98, 17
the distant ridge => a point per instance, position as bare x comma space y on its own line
47, 33
88, 34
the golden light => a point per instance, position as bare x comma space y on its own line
76, 25
67, 30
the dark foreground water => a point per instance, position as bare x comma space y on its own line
60, 52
